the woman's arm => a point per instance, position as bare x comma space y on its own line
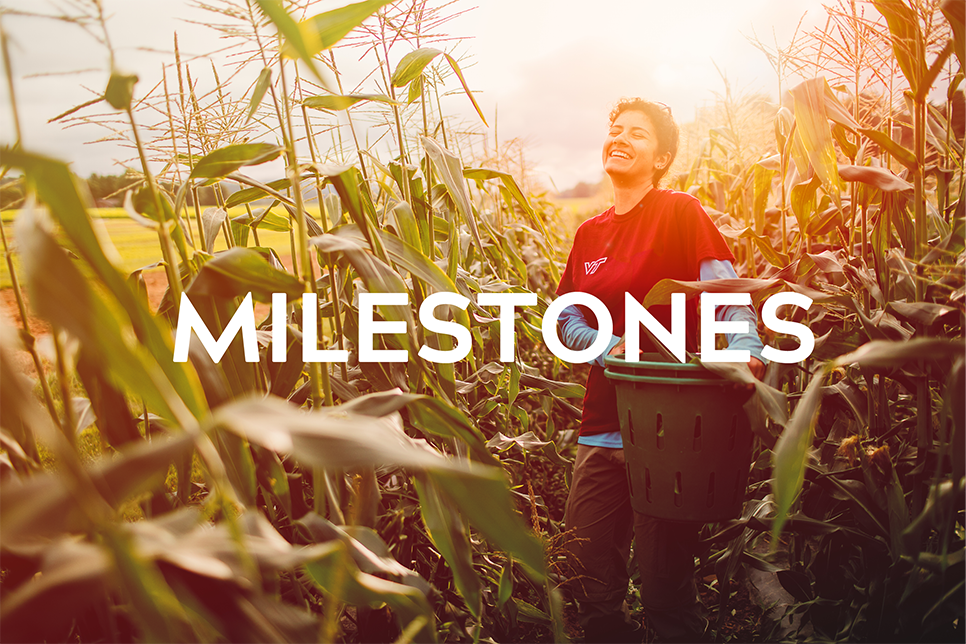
716, 269
576, 334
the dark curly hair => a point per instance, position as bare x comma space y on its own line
666, 129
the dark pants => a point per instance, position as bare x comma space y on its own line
599, 511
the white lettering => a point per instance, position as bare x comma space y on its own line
605, 327
464, 341
507, 303
369, 327
243, 320
769, 315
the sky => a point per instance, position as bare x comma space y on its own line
544, 71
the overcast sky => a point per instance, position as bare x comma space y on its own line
551, 69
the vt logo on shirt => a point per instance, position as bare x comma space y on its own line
591, 267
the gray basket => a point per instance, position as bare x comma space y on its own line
687, 439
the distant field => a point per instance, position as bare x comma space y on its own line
138, 246
574, 211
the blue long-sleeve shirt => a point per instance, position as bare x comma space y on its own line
577, 334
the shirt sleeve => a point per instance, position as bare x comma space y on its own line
716, 269
578, 335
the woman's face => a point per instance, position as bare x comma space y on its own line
630, 149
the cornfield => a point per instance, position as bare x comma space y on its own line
279, 497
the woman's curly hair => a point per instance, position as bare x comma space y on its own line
666, 129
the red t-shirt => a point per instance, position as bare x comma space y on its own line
665, 236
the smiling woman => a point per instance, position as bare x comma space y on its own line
640, 144
648, 235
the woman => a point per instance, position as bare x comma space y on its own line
648, 235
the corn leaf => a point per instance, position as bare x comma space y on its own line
791, 452
120, 90
880, 178
339, 102
258, 93
812, 120
448, 534
324, 30
906, 38
955, 14
902, 155
226, 160
451, 170
412, 65
466, 88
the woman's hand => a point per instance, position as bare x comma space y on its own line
757, 368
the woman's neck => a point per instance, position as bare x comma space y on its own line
625, 198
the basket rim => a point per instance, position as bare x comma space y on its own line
666, 380
618, 362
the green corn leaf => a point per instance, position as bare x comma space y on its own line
263, 219
848, 147
324, 30
293, 40
412, 65
354, 195
451, 171
513, 188
791, 452
409, 258
55, 187
505, 585
660, 293
955, 413
926, 313
483, 499
765, 245
812, 120
239, 271
226, 160
955, 14
906, 38
334, 438
902, 155
466, 88
120, 90
62, 294
333, 570
415, 90
258, 93
448, 534
249, 195
774, 401
268, 220
407, 225
804, 202
43, 506
339, 102
930, 76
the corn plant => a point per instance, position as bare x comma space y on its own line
281, 500
865, 218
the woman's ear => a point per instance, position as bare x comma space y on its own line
663, 161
